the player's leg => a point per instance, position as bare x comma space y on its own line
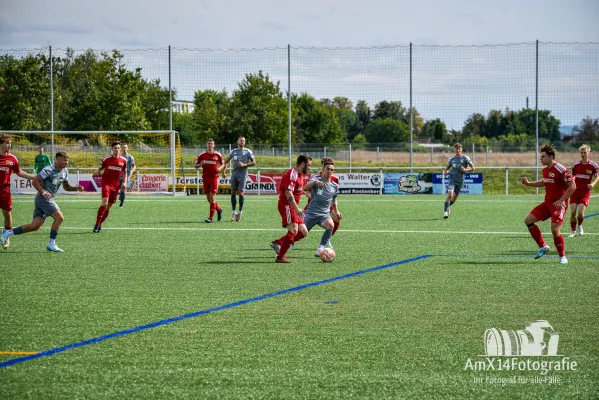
234, 192
448, 199
288, 240
241, 192
58, 220
7, 227
36, 224
121, 194
557, 219
102, 209
112, 197
580, 215
573, 208
539, 213
328, 225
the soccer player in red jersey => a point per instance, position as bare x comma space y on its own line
290, 193
8, 165
559, 186
583, 172
113, 167
212, 164
336, 217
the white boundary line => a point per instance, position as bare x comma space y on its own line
211, 229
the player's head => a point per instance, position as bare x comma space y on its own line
210, 143
327, 160
62, 159
116, 148
41, 150
584, 151
547, 154
327, 170
241, 142
5, 142
125, 148
303, 163
458, 148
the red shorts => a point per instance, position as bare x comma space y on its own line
5, 199
547, 210
288, 215
210, 185
580, 198
110, 192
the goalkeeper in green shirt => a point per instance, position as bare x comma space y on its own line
41, 161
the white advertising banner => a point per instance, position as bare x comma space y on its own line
360, 183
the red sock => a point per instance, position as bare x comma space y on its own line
8, 228
105, 216
573, 225
559, 245
288, 240
580, 221
298, 237
335, 227
536, 234
212, 208
100, 214
217, 207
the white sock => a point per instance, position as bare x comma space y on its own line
52, 242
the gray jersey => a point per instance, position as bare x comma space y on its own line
130, 164
240, 155
454, 164
52, 179
322, 197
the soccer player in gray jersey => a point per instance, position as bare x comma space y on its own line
131, 167
47, 183
324, 193
242, 159
457, 166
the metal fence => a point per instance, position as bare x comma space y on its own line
446, 82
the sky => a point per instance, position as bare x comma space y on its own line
355, 49
272, 23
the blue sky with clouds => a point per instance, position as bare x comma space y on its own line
267, 23
449, 82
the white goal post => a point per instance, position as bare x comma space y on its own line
157, 154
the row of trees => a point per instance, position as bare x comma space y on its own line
98, 92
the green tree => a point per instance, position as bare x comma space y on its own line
212, 116
314, 121
259, 110
475, 125
102, 94
387, 130
390, 109
435, 129
363, 116
496, 124
25, 98
588, 130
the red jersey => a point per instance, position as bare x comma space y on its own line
113, 168
584, 175
211, 163
556, 181
292, 180
8, 165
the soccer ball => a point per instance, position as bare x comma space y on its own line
327, 255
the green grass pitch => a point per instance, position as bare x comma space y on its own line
404, 331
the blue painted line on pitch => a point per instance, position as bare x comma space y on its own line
591, 215
202, 312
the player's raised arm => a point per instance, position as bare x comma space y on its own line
69, 188
526, 182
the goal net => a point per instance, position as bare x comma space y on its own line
157, 156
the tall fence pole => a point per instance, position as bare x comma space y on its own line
411, 119
289, 101
51, 103
170, 93
537, 115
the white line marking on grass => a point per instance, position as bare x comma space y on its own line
211, 229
